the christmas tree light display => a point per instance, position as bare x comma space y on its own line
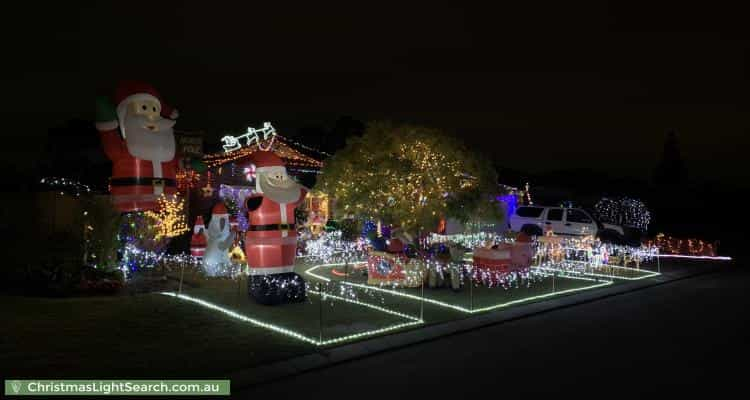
169, 218
624, 211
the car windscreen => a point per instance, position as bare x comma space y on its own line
529, 212
573, 215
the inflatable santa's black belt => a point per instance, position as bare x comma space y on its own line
271, 227
142, 181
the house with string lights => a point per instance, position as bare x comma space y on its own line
230, 176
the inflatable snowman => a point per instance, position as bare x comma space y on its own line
219, 241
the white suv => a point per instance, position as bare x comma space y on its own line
535, 220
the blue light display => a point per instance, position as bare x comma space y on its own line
511, 202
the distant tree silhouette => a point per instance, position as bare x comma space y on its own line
334, 139
345, 128
671, 169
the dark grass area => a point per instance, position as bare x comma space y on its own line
149, 335
615, 272
129, 336
329, 316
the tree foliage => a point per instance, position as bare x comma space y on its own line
623, 211
409, 176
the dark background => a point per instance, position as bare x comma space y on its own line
576, 96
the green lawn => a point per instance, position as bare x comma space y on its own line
129, 336
134, 335
329, 317
442, 304
613, 272
146, 335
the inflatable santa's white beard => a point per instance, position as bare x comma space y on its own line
288, 193
146, 144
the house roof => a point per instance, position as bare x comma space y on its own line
280, 145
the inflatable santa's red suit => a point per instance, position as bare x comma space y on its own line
198, 240
271, 237
137, 136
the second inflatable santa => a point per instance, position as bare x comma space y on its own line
271, 238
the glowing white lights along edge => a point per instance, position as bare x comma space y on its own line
648, 273
717, 258
453, 306
252, 136
299, 336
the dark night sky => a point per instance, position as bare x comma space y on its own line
537, 87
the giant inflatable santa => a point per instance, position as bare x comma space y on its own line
137, 136
271, 237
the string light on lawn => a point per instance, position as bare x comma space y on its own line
717, 258
413, 321
587, 269
599, 283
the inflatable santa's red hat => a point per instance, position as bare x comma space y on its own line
219, 209
265, 160
129, 91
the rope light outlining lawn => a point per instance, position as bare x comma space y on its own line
562, 268
716, 258
599, 283
646, 273
334, 253
413, 321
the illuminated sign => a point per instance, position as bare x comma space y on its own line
253, 136
190, 145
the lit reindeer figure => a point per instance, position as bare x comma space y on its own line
253, 136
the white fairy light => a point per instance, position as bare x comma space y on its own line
413, 321
717, 258
599, 283
253, 136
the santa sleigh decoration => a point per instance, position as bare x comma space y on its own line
492, 264
393, 267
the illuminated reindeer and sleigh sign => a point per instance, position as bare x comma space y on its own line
253, 136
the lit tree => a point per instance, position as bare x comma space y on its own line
169, 218
408, 176
623, 211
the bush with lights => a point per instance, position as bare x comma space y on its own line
409, 176
624, 211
